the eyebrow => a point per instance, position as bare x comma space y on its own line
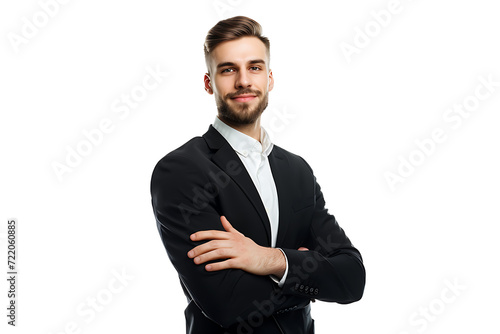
252, 62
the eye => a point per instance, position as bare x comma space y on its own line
255, 68
227, 70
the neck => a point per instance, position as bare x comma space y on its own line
252, 130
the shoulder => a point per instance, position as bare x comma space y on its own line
293, 159
192, 149
187, 159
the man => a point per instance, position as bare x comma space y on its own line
244, 221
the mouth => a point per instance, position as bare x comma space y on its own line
243, 97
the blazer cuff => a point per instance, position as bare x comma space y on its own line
283, 279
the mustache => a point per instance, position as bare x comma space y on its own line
244, 91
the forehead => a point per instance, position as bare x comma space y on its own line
240, 50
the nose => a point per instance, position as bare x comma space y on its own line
242, 80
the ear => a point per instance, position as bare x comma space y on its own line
270, 85
208, 84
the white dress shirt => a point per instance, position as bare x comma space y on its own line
254, 156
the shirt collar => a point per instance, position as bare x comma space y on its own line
242, 143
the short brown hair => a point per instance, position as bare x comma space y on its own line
232, 29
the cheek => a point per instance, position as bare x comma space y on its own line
224, 86
265, 83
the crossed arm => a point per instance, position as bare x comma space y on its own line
239, 251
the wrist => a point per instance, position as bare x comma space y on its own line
277, 263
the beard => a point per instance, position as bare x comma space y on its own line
243, 113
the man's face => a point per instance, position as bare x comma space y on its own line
240, 80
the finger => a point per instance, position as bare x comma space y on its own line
207, 247
216, 254
225, 223
303, 249
216, 266
227, 226
210, 234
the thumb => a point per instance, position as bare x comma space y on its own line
225, 223
303, 249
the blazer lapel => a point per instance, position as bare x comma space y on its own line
279, 168
224, 157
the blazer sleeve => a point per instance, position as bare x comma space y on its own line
180, 209
332, 270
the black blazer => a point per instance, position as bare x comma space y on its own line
192, 186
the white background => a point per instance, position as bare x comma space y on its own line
350, 120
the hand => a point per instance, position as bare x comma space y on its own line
239, 251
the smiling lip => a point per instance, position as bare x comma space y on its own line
243, 98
